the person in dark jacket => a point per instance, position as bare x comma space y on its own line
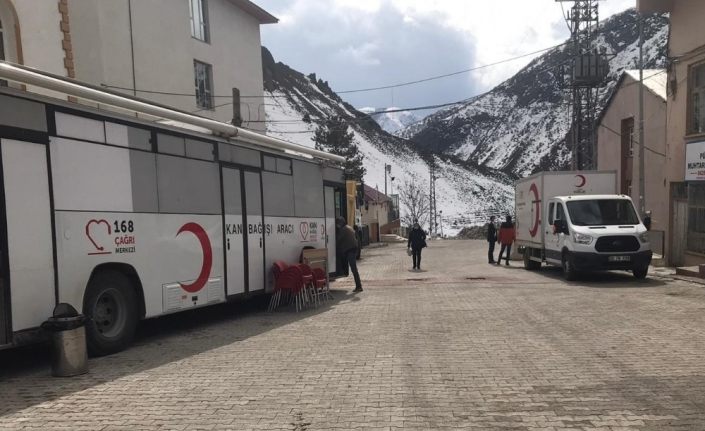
507, 235
346, 243
358, 236
416, 242
491, 239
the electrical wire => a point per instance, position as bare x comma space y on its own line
635, 141
402, 84
433, 78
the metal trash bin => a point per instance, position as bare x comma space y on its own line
69, 354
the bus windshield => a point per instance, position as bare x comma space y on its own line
603, 212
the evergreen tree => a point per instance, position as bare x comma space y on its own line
333, 136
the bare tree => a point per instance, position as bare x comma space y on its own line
414, 200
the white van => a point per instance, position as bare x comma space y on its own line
580, 232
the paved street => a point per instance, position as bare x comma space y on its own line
461, 345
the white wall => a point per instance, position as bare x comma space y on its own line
40, 35
164, 51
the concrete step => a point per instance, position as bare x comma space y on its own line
691, 271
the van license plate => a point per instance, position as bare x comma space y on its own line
619, 258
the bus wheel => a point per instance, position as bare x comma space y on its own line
111, 307
530, 265
569, 272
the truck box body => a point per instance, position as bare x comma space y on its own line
534, 192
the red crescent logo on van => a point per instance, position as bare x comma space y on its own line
581, 180
202, 237
537, 212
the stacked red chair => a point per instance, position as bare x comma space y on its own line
288, 282
309, 286
320, 282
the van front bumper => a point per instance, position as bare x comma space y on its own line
600, 261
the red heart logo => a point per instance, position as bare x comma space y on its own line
303, 227
88, 232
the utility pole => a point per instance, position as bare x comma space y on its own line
587, 72
433, 225
387, 169
642, 191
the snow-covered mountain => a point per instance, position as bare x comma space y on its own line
295, 103
521, 125
391, 119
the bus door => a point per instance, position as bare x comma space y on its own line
26, 252
329, 196
234, 228
4, 286
254, 220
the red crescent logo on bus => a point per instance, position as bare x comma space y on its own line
202, 236
581, 180
535, 228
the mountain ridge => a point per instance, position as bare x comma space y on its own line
521, 125
296, 104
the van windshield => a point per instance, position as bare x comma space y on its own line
602, 212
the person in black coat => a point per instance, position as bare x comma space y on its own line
491, 239
416, 242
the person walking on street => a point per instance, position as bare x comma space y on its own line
347, 247
416, 242
358, 236
491, 239
507, 235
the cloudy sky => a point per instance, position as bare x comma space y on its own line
357, 44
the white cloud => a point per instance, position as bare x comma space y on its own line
346, 30
503, 29
364, 54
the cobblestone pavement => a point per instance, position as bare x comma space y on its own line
461, 345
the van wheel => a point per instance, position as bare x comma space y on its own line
569, 272
110, 304
640, 273
530, 265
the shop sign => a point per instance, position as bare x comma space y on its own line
695, 161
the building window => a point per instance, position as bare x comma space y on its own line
199, 20
697, 100
204, 84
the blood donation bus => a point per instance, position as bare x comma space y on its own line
128, 219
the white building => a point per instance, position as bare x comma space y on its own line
188, 54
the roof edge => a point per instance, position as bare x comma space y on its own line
262, 15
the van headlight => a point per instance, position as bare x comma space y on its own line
644, 237
581, 238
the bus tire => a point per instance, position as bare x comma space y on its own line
110, 304
530, 265
640, 273
569, 272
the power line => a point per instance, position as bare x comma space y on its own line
403, 84
433, 78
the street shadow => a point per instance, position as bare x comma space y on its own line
25, 376
602, 279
